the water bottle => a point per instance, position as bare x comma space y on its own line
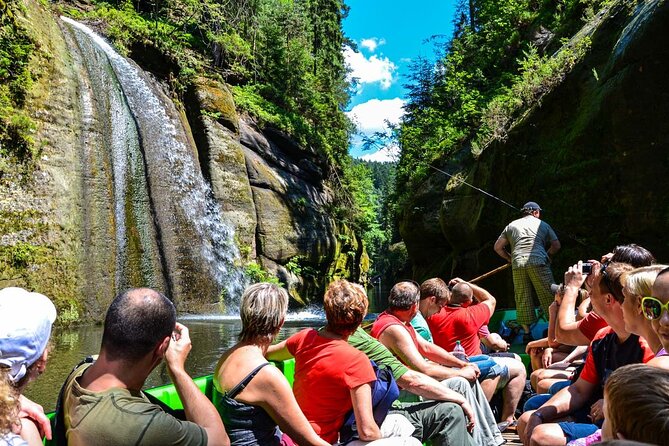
459, 352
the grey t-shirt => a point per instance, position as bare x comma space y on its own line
528, 237
123, 418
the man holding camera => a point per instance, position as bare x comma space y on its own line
529, 238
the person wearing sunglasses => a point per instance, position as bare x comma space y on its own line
637, 284
656, 309
612, 348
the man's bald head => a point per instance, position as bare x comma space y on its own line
137, 321
461, 293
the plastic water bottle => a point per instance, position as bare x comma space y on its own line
459, 352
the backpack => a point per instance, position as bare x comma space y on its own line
384, 393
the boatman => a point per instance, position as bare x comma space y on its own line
533, 242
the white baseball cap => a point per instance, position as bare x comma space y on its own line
25, 327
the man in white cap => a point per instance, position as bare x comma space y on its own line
532, 242
25, 328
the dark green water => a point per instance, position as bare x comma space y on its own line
210, 336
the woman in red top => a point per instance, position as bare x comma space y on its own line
332, 377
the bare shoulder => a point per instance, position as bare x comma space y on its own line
661, 362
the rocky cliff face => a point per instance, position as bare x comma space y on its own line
594, 154
276, 195
60, 225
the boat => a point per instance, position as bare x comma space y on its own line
169, 396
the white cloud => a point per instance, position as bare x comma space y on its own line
372, 70
389, 153
372, 43
371, 116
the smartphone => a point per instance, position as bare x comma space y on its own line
587, 267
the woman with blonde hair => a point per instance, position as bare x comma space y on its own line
254, 399
637, 284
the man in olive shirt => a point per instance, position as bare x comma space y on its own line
532, 243
103, 402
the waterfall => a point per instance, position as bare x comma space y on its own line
167, 227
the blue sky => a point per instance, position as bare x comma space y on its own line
389, 34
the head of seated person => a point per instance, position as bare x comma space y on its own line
462, 295
25, 328
632, 254
139, 321
262, 310
636, 404
434, 295
403, 300
345, 306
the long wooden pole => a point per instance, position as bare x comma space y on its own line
490, 273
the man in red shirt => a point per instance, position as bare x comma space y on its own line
461, 321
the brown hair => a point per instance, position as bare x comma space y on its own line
345, 305
611, 279
435, 287
637, 401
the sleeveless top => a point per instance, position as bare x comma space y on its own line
246, 424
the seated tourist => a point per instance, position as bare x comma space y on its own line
612, 347
637, 284
636, 402
570, 331
103, 402
655, 309
461, 321
332, 378
252, 396
25, 327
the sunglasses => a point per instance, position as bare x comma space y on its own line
652, 308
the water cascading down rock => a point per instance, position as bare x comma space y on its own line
149, 216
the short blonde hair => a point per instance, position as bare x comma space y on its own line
639, 282
345, 305
637, 401
262, 309
9, 403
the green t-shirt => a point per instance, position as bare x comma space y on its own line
377, 352
120, 417
420, 325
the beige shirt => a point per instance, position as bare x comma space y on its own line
529, 237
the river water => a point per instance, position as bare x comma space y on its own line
210, 335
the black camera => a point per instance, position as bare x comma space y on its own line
587, 268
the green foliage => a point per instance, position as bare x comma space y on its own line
16, 50
491, 71
255, 273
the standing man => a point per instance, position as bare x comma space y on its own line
529, 238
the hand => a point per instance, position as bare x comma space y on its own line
468, 373
547, 357
532, 422
574, 276
180, 346
475, 367
456, 281
35, 412
469, 413
597, 411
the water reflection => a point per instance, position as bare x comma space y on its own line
211, 336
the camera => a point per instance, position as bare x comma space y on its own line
587, 267
555, 287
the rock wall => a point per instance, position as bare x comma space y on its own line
275, 193
58, 239
594, 154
